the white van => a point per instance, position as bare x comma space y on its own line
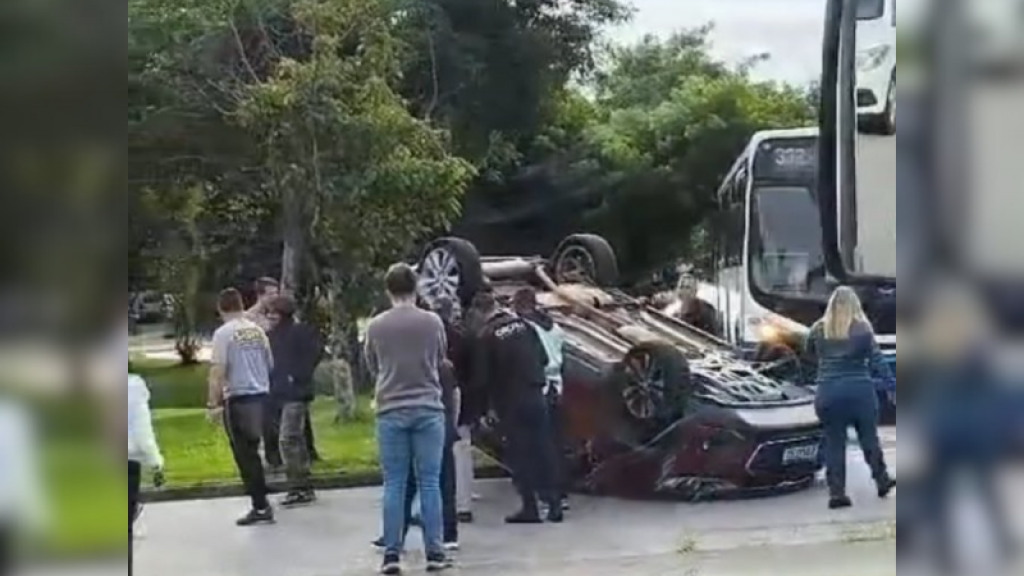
876, 66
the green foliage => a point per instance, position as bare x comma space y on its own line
673, 121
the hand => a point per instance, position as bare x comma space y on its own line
215, 414
158, 478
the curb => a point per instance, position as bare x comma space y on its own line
331, 482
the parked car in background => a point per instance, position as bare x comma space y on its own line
148, 307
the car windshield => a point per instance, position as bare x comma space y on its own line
870, 9
786, 251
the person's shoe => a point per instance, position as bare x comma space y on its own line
556, 514
451, 546
256, 517
378, 544
566, 506
416, 521
465, 517
392, 565
296, 499
886, 488
524, 517
138, 513
438, 562
840, 503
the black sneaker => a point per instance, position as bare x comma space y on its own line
296, 499
438, 562
556, 514
524, 517
256, 517
886, 488
465, 517
392, 565
379, 545
840, 503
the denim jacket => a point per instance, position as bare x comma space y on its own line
845, 366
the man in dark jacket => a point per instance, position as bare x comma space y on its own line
297, 350
510, 363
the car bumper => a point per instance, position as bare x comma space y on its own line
873, 91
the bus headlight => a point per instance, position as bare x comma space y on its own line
873, 58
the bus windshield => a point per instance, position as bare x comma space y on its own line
786, 242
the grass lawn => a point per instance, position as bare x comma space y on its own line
197, 452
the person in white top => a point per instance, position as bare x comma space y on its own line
143, 450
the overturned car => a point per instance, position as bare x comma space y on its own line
654, 407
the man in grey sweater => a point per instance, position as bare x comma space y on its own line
405, 350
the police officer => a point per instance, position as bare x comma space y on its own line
510, 363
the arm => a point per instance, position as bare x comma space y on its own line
217, 382
143, 431
370, 354
880, 367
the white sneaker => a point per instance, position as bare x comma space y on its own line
451, 546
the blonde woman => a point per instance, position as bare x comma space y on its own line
848, 358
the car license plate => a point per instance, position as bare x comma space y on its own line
800, 454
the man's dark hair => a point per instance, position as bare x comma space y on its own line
525, 300
285, 306
230, 302
266, 282
401, 281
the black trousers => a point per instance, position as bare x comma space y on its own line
531, 452
134, 487
448, 496
243, 420
272, 434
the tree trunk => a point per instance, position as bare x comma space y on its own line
294, 245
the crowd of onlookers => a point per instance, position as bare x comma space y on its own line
438, 369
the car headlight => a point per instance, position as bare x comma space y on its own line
873, 58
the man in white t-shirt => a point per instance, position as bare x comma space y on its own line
239, 388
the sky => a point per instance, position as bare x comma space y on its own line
789, 30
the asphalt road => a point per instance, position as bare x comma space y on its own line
602, 537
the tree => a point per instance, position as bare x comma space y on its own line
494, 72
673, 120
290, 110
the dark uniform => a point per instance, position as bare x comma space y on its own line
847, 398
510, 362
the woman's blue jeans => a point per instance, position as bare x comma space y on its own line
407, 438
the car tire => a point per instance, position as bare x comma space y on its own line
586, 258
452, 268
651, 388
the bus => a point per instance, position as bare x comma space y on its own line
876, 66
769, 279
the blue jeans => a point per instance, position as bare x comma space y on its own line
412, 437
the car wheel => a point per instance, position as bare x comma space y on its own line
450, 269
652, 386
585, 259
